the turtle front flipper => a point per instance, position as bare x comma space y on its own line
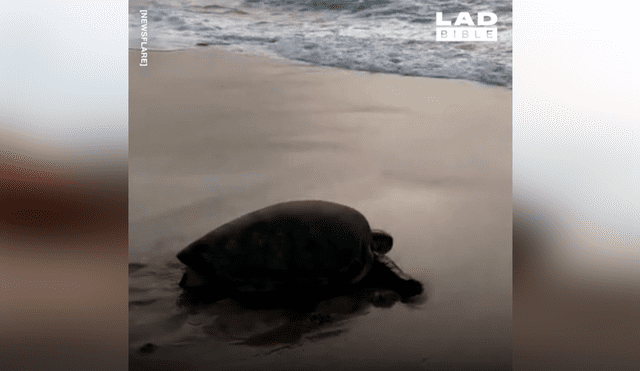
192, 279
199, 290
386, 274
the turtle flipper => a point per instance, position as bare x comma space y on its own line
198, 289
192, 279
386, 274
393, 267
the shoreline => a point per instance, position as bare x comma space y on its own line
293, 62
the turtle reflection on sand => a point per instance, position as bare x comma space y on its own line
230, 321
299, 251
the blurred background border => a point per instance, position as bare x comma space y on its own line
576, 178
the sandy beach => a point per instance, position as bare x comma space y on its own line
214, 135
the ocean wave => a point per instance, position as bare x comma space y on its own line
378, 36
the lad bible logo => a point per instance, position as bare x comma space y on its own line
472, 32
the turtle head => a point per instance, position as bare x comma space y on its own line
382, 241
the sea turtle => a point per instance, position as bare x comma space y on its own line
293, 248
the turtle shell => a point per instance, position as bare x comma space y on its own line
287, 246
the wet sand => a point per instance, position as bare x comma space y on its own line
214, 135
